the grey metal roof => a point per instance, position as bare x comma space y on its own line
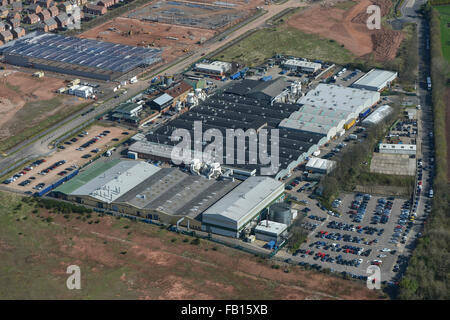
375, 78
162, 99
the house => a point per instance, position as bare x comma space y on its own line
95, 9
65, 6
6, 36
31, 18
17, 6
62, 20
13, 15
44, 15
48, 25
54, 11
106, 3
79, 3
1, 43
18, 32
4, 2
14, 23
2, 26
35, 8
4, 12
45, 3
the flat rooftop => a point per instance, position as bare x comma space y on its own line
375, 78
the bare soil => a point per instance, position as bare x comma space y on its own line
348, 27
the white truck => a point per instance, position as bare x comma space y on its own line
353, 136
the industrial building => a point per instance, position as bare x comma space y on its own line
270, 91
376, 116
270, 230
162, 103
398, 148
375, 80
243, 205
300, 65
128, 112
82, 57
218, 68
318, 165
81, 91
342, 99
144, 190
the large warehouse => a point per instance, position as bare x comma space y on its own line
300, 65
375, 80
233, 213
81, 57
142, 189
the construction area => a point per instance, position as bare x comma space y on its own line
215, 15
347, 26
69, 158
26, 103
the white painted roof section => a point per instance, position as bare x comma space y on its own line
377, 115
399, 146
271, 227
117, 180
376, 78
164, 98
244, 198
302, 64
334, 97
318, 163
219, 66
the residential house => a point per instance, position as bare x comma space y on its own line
65, 6
6, 36
4, 2
17, 6
54, 11
45, 3
2, 26
14, 23
44, 15
48, 25
79, 3
106, 3
35, 8
13, 15
4, 12
62, 20
31, 19
18, 32
95, 9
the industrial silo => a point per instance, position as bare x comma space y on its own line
281, 212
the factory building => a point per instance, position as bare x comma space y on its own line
300, 65
342, 99
397, 148
138, 188
162, 103
378, 115
270, 230
235, 211
318, 165
81, 91
218, 68
375, 80
271, 91
128, 112
82, 57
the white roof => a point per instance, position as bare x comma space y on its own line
376, 116
215, 66
117, 180
245, 198
376, 78
303, 64
271, 227
318, 163
334, 97
399, 146
162, 99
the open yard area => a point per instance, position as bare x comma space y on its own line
29, 105
72, 156
120, 259
173, 39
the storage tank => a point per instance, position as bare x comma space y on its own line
281, 212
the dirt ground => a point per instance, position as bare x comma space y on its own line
19, 88
71, 155
348, 27
128, 260
138, 33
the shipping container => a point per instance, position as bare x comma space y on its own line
235, 76
349, 124
364, 113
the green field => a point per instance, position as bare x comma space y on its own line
444, 16
264, 44
345, 5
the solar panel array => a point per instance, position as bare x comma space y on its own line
85, 52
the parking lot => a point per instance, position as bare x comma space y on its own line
70, 155
358, 237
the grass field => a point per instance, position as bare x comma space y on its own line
121, 259
345, 5
444, 15
264, 44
